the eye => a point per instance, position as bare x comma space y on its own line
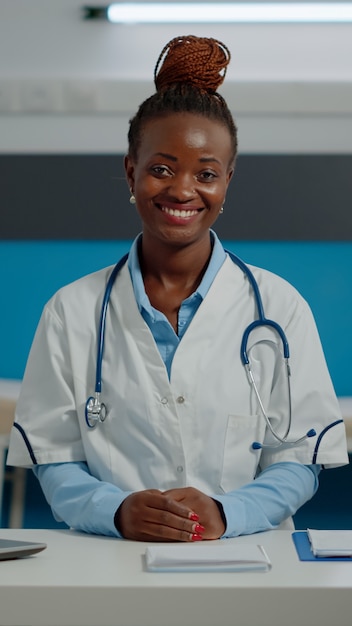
161, 171
207, 176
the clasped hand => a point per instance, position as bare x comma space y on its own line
183, 514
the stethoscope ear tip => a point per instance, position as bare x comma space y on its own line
256, 445
311, 433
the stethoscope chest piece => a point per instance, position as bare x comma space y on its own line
95, 411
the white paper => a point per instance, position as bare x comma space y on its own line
330, 542
206, 557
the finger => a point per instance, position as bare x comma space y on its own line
161, 525
171, 515
178, 507
171, 522
160, 533
151, 516
207, 510
188, 496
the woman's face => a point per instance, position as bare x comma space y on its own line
180, 177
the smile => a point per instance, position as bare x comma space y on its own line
179, 213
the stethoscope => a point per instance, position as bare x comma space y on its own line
96, 412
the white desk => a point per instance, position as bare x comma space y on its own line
83, 580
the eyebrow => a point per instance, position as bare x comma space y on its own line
165, 155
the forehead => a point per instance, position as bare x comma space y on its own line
185, 131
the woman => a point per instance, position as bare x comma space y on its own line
174, 459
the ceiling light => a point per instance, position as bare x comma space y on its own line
235, 12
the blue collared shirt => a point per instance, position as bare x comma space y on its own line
164, 335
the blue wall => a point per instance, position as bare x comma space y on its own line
31, 271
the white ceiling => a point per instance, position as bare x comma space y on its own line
49, 38
286, 73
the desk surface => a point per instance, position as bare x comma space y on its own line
98, 581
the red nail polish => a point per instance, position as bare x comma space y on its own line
196, 537
199, 528
194, 517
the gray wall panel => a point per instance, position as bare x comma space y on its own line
271, 197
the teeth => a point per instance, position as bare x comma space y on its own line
178, 213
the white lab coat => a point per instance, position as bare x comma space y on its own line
194, 429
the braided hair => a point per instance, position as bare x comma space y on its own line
187, 74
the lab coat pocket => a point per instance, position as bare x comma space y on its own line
240, 461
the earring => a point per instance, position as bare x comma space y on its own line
221, 210
132, 198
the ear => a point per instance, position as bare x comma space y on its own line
230, 174
129, 171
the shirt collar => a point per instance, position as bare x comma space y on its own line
217, 258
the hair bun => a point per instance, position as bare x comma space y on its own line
200, 61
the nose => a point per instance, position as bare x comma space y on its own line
182, 187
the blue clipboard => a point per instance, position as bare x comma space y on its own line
302, 545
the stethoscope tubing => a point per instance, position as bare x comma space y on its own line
95, 410
262, 320
102, 322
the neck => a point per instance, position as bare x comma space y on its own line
175, 264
